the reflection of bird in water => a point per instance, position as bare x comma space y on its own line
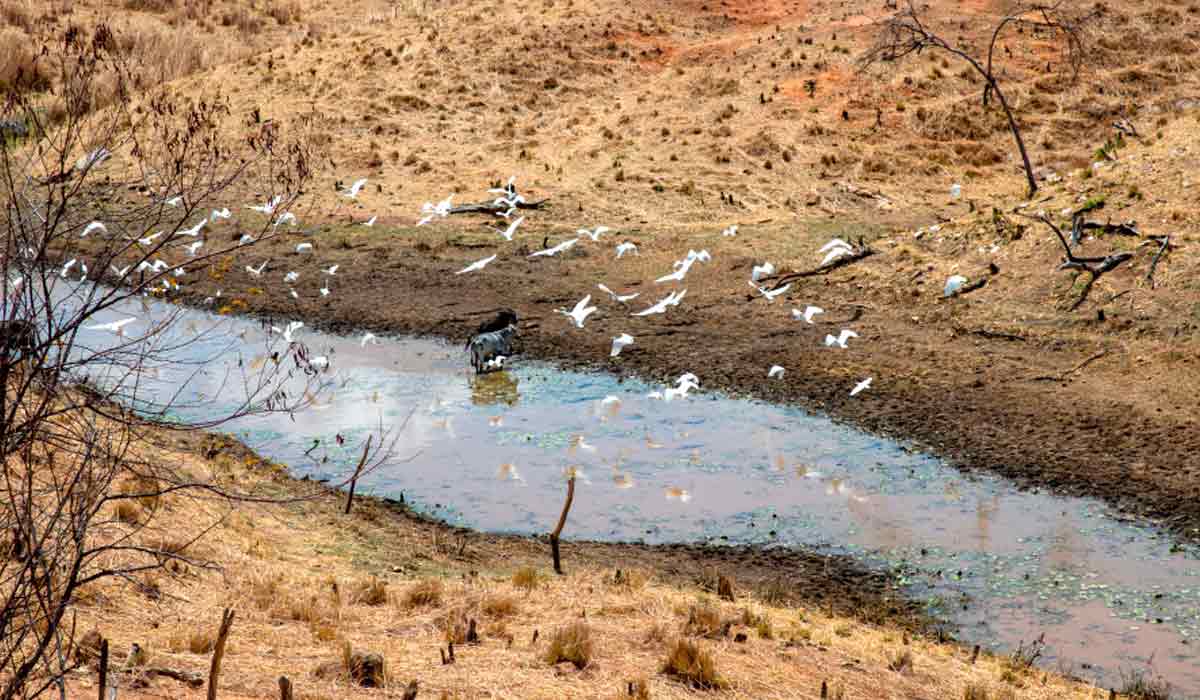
651, 444
508, 472
780, 463
840, 488
678, 494
694, 457
579, 443
575, 472
496, 421
805, 473
623, 480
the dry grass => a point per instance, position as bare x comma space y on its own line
499, 605
427, 593
370, 591
526, 579
691, 665
572, 643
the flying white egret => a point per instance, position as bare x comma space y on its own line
219, 214
861, 386
477, 265
120, 272
114, 326
619, 343
303, 247
760, 271
67, 267
431, 210
286, 217
259, 270
702, 256
663, 304
268, 207
512, 228
174, 201
291, 277
680, 272
371, 221
807, 314
840, 339
565, 245
769, 294
368, 338
730, 232
775, 371
510, 201
156, 267
331, 270
594, 234
246, 238
620, 299
151, 238
626, 247
193, 247
324, 290
507, 213
352, 191
193, 231
293, 293
94, 226
288, 333
580, 312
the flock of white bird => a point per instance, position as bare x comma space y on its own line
509, 202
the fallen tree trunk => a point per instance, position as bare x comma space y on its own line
493, 208
862, 253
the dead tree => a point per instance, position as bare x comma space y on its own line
1095, 267
86, 445
562, 521
907, 32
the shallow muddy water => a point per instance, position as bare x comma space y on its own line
1002, 565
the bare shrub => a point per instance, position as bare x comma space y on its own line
688, 663
426, 593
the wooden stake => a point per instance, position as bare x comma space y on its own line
562, 520
285, 688
218, 652
357, 472
103, 669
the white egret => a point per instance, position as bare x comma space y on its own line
807, 314
840, 339
663, 304
594, 234
760, 271
477, 265
219, 214
114, 326
291, 277
610, 400
512, 228
953, 285
730, 232
331, 270
580, 312
303, 247
565, 245
259, 270
151, 238
956, 190
286, 217
193, 231
770, 294
174, 201
619, 343
94, 226
324, 290
120, 272
371, 221
288, 333
193, 247
293, 293
431, 210
354, 189
507, 213
835, 243
835, 254
619, 298
775, 371
861, 386
246, 238
508, 188
157, 267
95, 157
368, 338
626, 247
67, 267
268, 207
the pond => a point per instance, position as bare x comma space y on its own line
1003, 565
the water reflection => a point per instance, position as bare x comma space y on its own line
494, 388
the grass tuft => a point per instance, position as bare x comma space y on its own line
427, 593
526, 578
571, 643
687, 662
499, 605
370, 591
